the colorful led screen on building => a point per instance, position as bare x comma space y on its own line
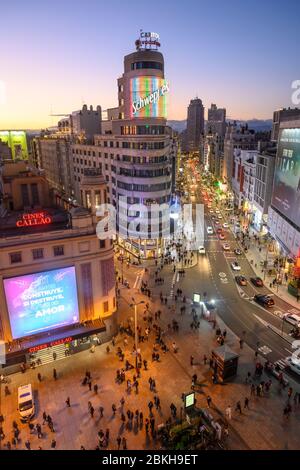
286, 190
148, 97
17, 142
41, 301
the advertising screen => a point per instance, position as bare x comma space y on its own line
286, 191
148, 97
189, 400
41, 301
17, 141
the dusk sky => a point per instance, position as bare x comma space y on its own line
57, 55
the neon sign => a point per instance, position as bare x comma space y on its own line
147, 41
148, 96
32, 219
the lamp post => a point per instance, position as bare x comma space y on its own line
135, 305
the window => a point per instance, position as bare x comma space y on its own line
15, 257
25, 195
35, 194
105, 306
58, 250
102, 243
38, 253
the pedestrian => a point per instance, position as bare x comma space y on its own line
246, 403
228, 412
241, 343
27, 445
119, 442
101, 409
124, 443
39, 430
209, 400
90, 385
68, 402
54, 374
39, 377
114, 408
252, 390
192, 360
96, 389
44, 417
238, 407
205, 359
92, 410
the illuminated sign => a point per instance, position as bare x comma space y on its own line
147, 40
148, 97
189, 400
17, 142
42, 301
286, 191
49, 345
36, 218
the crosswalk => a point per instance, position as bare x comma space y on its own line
281, 363
265, 350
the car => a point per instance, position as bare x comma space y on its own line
25, 402
217, 211
264, 300
225, 225
201, 250
226, 247
293, 364
235, 266
211, 211
241, 280
219, 216
221, 236
292, 318
257, 281
238, 251
219, 230
210, 230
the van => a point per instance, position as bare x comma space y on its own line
25, 402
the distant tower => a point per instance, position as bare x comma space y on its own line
195, 124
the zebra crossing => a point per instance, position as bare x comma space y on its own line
281, 363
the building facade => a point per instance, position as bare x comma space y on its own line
236, 137
57, 278
216, 120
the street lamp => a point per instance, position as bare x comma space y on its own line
135, 305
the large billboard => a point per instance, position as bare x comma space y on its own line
286, 190
17, 142
148, 97
41, 301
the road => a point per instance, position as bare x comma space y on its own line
214, 275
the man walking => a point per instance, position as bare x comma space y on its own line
228, 412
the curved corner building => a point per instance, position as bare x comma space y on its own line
141, 152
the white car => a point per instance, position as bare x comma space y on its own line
219, 216
25, 402
235, 266
201, 250
211, 211
293, 364
293, 319
226, 247
225, 225
217, 211
210, 230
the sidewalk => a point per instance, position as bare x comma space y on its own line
259, 258
261, 427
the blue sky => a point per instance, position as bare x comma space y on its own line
56, 55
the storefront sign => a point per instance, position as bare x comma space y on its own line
50, 345
35, 218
